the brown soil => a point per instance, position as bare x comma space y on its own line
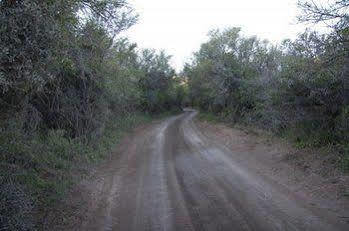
310, 173
180, 175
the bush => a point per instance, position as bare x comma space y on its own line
16, 208
344, 163
297, 89
36, 170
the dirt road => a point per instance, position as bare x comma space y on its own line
172, 177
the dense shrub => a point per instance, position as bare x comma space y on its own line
299, 88
16, 208
68, 86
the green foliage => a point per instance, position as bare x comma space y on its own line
299, 89
41, 167
157, 83
16, 208
69, 88
225, 73
210, 117
344, 163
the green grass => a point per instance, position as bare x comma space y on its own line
46, 166
209, 117
305, 135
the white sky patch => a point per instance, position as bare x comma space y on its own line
179, 27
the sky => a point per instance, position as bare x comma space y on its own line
180, 26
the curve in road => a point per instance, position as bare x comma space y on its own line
172, 177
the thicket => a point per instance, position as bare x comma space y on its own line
299, 88
68, 86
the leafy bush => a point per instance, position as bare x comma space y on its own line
344, 163
15, 208
293, 88
69, 87
298, 89
36, 171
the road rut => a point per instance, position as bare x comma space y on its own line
172, 177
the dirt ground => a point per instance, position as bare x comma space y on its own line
183, 174
310, 173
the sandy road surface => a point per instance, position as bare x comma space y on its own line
172, 177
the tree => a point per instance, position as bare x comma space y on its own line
222, 73
336, 16
157, 82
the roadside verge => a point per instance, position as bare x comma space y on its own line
310, 173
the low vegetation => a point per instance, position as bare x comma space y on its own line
298, 89
69, 87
